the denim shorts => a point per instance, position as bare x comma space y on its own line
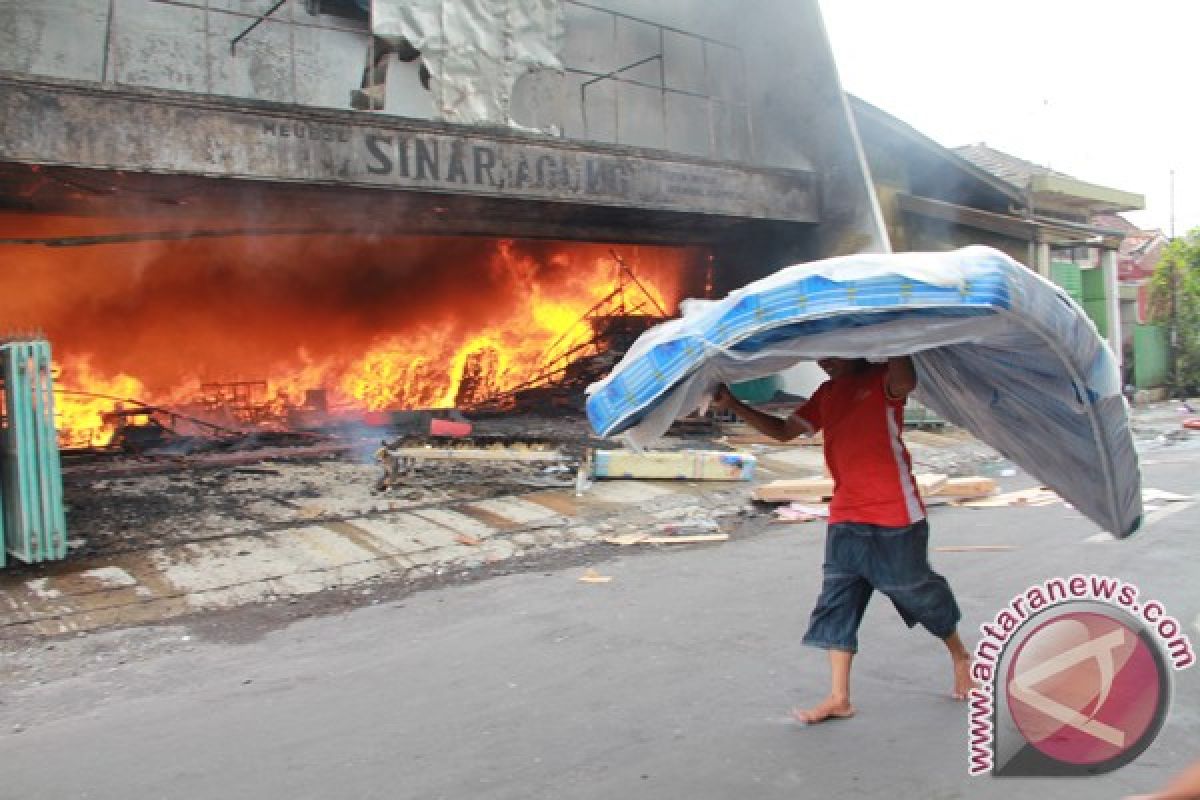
861, 558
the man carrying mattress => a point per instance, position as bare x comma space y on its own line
878, 537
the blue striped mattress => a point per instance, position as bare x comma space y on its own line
999, 351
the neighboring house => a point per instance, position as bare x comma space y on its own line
1140, 250
1086, 264
1136, 261
1138, 257
1106, 268
931, 198
935, 198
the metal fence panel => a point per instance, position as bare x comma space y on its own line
32, 517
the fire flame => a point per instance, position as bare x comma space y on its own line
376, 323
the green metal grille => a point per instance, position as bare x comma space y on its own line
1091, 283
1151, 356
32, 517
1098, 311
1067, 275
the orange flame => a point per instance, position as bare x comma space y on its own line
378, 323
81, 413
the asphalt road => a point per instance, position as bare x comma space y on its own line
674, 680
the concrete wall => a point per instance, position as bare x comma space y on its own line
765, 94
292, 57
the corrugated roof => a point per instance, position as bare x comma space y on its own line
1075, 193
1016, 171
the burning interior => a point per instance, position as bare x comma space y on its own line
227, 254
156, 336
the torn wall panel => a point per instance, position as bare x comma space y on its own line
475, 50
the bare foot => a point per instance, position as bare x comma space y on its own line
830, 708
963, 682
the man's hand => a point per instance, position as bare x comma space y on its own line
782, 429
901, 378
723, 399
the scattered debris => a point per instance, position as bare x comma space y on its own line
805, 490
591, 576
695, 425
626, 539
929, 483
97, 464
974, 486
582, 355
786, 514
688, 527
817, 490
687, 539
743, 434
476, 454
1037, 496
447, 427
801, 512
392, 469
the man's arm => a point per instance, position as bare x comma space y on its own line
901, 378
783, 430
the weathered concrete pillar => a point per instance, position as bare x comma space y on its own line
1112, 301
1043, 260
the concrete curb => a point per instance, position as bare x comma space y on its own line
257, 566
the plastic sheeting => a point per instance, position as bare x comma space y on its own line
475, 50
999, 351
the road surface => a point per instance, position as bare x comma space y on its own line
673, 680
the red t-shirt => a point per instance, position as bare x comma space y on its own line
871, 468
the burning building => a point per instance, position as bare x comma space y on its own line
236, 213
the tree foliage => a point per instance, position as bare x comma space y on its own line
1175, 303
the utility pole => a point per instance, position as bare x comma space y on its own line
1172, 205
1173, 333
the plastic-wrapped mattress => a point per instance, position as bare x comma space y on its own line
999, 351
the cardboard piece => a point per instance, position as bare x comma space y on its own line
974, 486
626, 539
814, 490
1037, 496
695, 539
806, 490
930, 483
591, 576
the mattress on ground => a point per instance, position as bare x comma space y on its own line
998, 349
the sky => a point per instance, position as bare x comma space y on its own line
1103, 90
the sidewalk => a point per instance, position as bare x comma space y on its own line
247, 542
342, 550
